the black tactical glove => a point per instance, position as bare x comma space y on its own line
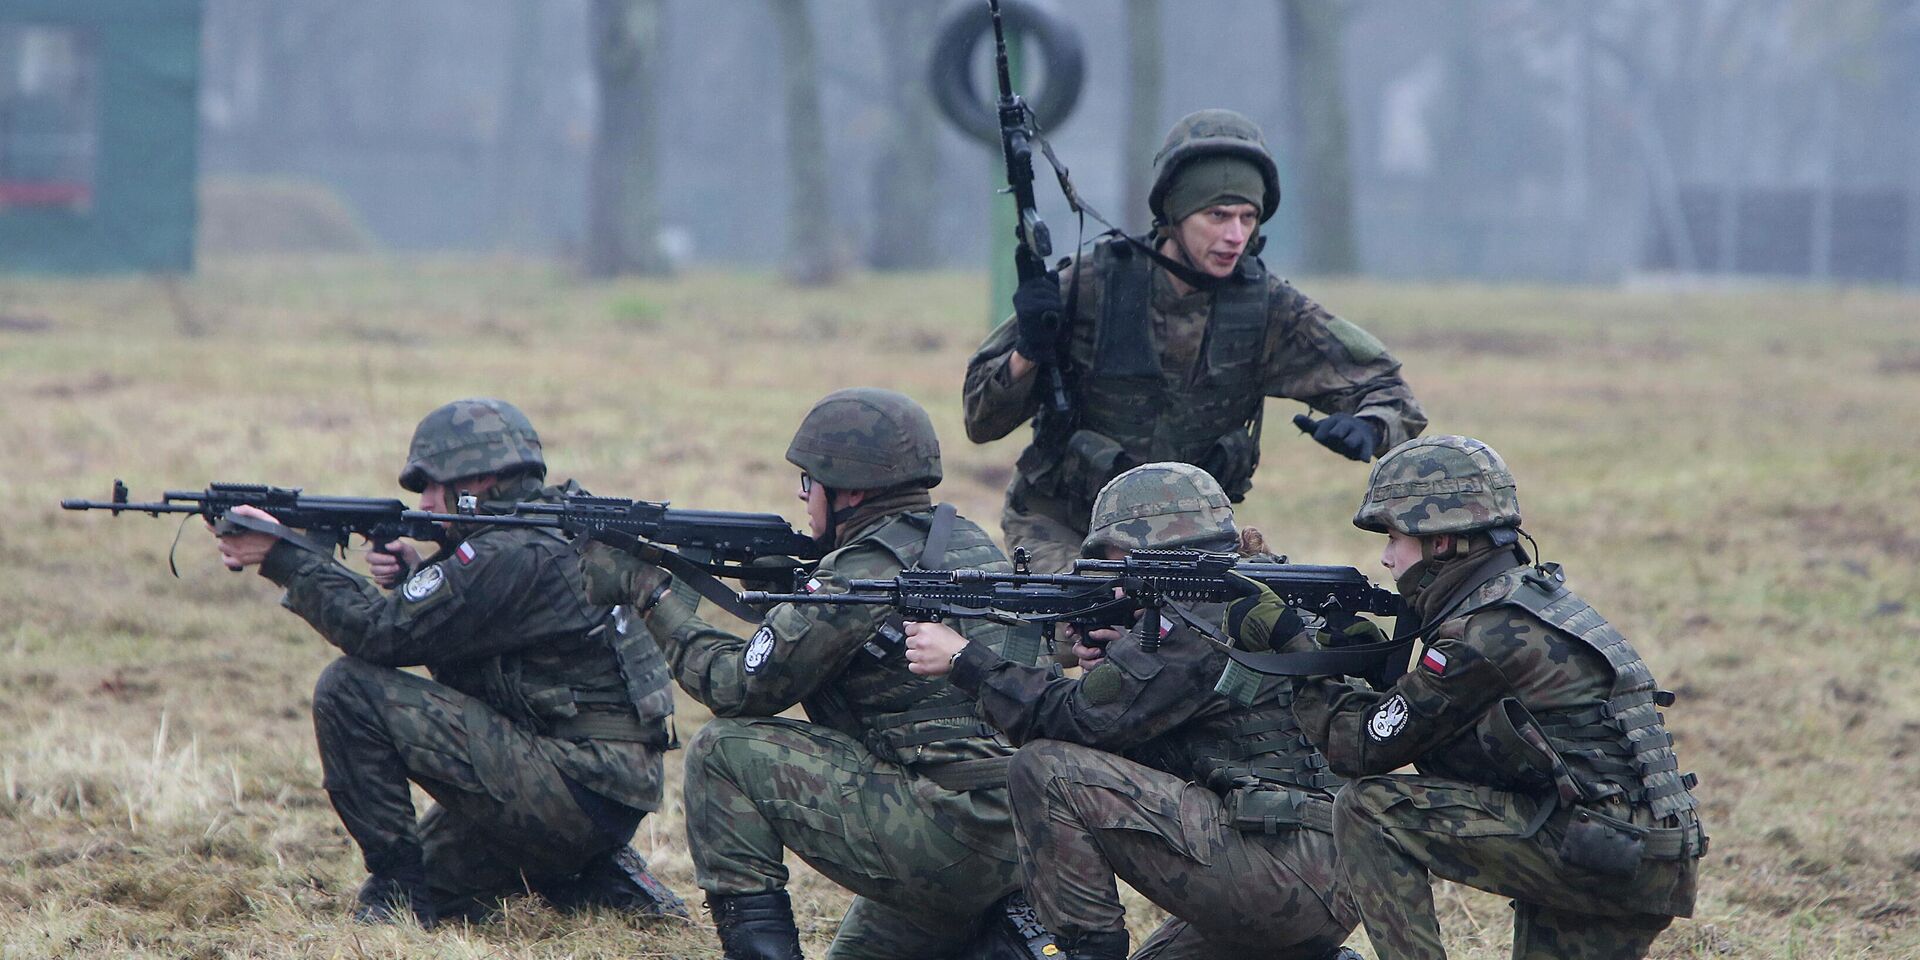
1038, 310
1348, 435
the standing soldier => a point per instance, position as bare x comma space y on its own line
1546, 773
893, 788
1211, 805
1170, 346
539, 736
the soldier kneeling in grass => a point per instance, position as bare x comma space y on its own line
540, 735
1546, 773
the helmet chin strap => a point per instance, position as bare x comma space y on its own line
835, 517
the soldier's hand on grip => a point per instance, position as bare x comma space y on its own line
389, 563
1038, 310
932, 647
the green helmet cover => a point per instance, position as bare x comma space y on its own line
866, 438
1206, 133
467, 438
1161, 506
1432, 485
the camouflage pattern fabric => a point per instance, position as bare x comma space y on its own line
504, 817
1396, 831
1464, 819
467, 438
1308, 354
853, 791
1161, 506
1033, 523
1117, 776
758, 786
866, 438
527, 694
1434, 485
1084, 816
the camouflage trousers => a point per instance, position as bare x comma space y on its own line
1042, 526
1084, 817
505, 819
759, 786
1396, 832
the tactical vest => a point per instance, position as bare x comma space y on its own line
1256, 757
904, 718
572, 689
1210, 418
1613, 747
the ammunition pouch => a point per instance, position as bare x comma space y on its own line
1521, 758
1231, 460
965, 776
1090, 460
1267, 808
565, 714
1605, 845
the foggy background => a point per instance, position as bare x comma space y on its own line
1547, 140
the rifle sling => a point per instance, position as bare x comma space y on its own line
933, 554
229, 522
706, 584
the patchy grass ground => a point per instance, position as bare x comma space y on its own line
1732, 477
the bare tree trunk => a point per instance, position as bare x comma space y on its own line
810, 253
906, 175
516, 163
1319, 110
1146, 64
623, 209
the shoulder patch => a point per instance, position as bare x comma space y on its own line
1360, 345
759, 649
1434, 662
1389, 719
464, 552
424, 583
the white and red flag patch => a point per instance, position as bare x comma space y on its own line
465, 552
813, 585
1435, 661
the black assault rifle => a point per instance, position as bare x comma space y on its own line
708, 543
1145, 580
328, 522
1016, 148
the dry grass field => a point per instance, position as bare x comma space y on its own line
1731, 476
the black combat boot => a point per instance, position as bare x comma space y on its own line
756, 926
1012, 932
1105, 945
385, 898
618, 880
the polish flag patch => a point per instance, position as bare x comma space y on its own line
1434, 661
1166, 626
813, 585
465, 552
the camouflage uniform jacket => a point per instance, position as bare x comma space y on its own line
1450, 715
1199, 390
503, 616
845, 665
1157, 707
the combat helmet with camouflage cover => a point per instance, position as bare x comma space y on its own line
1433, 485
467, 438
1161, 506
1205, 133
866, 438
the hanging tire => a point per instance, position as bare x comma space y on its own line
969, 103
